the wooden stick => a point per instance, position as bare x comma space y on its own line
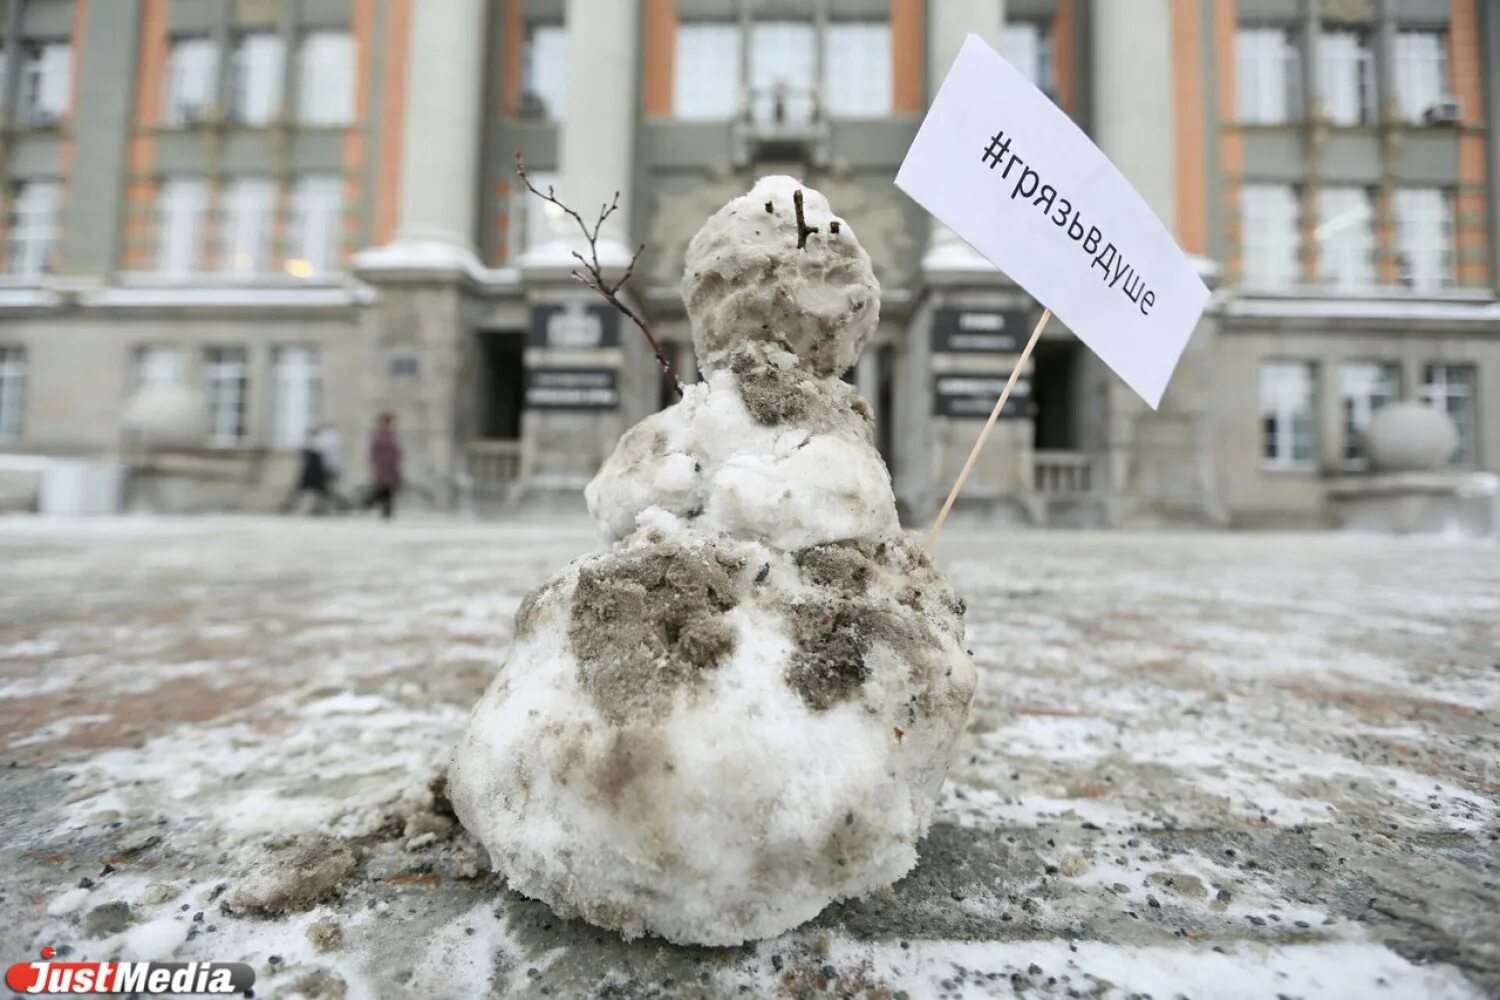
989, 425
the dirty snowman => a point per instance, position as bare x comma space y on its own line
743, 708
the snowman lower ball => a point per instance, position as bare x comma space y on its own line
742, 709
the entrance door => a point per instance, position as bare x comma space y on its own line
501, 385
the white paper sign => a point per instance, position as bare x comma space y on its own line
1009, 172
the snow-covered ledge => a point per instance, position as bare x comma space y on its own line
555, 259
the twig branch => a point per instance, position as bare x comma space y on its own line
591, 274
803, 229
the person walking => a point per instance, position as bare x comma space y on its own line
385, 466
312, 478
330, 445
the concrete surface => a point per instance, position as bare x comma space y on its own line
1199, 765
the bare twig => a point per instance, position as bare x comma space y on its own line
803, 229
591, 274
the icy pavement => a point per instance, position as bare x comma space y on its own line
1199, 765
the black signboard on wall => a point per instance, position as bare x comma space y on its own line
973, 396
572, 389
979, 331
577, 325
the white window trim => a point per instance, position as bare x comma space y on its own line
191, 91
181, 207
249, 206
34, 226
327, 62
1285, 411
296, 394
856, 80
257, 76
46, 82
317, 226
226, 383
1346, 238
13, 362
1373, 376
1440, 387
706, 85
1270, 236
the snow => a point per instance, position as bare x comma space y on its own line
1144, 688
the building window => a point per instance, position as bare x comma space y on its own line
1346, 238
783, 70
157, 365
33, 227
325, 78
544, 72
857, 69
1287, 409
180, 205
706, 82
1421, 71
1268, 236
296, 395
317, 225
249, 207
1346, 77
1450, 388
1424, 238
1268, 75
46, 75
12, 391
1364, 388
255, 80
1028, 47
226, 372
192, 81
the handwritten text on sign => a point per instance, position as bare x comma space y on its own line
1006, 170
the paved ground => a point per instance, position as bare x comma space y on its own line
1199, 765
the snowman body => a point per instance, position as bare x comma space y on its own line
743, 708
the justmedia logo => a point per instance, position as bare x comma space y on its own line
147, 978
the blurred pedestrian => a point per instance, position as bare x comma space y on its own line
385, 466
312, 477
330, 444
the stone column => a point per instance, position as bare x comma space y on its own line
597, 133
1158, 465
949, 22
441, 140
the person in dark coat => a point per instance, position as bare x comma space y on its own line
311, 478
385, 466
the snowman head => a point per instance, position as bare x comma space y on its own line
747, 278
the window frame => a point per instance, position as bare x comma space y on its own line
306, 197
240, 78
1252, 50
869, 99
1251, 230
1284, 434
316, 81
550, 92
141, 374
28, 229
281, 435
172, 192
14, 373
187, 102
1357, 408
1439, 393
226, 394
1444, 268
234, 198
1403, 72
689, 51
1366, 85
44, 101
1365, 275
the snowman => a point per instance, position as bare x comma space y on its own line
743, 707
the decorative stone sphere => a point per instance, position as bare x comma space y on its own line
167, 416
1410, 437
745, 273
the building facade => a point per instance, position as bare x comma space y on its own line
307, 211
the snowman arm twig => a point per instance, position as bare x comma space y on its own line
592, 275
